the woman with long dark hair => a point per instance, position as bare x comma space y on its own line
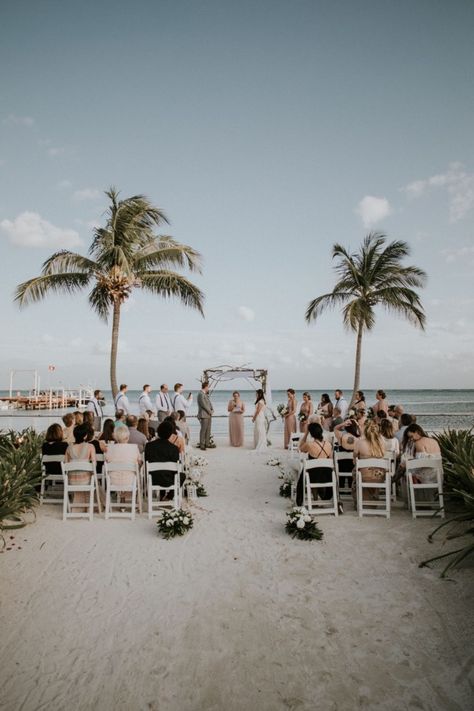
259, 429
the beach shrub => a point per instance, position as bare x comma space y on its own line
300, 525
175, 523
20, 476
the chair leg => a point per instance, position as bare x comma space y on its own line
91, 500
359, 494
134, 499
150, 501
411, 490
107, 500
65, 501
335, 496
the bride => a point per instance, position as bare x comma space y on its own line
259, 430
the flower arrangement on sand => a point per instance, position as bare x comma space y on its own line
300, 525
274, 462
174, 523
285, 488
199, 461
196, 482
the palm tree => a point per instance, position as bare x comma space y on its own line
368, 278
125, 254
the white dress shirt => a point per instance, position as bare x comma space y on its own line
163, 402
122, 403
94, 406
343, 405
182, 403
144, 403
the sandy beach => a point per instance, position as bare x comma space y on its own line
234, 615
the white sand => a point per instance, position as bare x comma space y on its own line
236, 614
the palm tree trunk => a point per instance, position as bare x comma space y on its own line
114, 348
357, 363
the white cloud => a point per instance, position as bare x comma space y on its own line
14, 120
245, 313
459, 184
86, 194
30, 230
373, 209
64, 185
466, 254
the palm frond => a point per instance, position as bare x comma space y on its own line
101, 301
356, 313
36, 289
403, 302
64, 262
325, 302
169, 284
166, 252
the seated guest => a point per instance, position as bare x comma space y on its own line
391, 442
404, 421
162, 450
78, 417
152, 432
88, 418
135, 437
346, 434
361, 418
143, 427
176, 436
392, 416
107, 434
99, 445
183, 426
337, 419
82, 450
317, 448
68, 429
370, 445
54, 444
122, 452
120, 419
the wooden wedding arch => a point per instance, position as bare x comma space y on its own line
223, 373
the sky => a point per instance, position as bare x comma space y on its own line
267, 131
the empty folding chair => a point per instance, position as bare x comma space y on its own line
100, 459
321, 506
117, 508
392, 459
293, 445
429, 506
374, 507
344, 475
71, 488
47, 476
155, 503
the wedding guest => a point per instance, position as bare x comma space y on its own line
54, 444
258, 419
306, 410
336, 418
179, 401
145, 405
162, 450
405, 420
182, 425
290, 416
152, 432
176, 436
121, 401
317, 448
236, 409
135, 437
381, 402
107, 434
359, 403
88, 418
361, 418
95, 406
346, 435
325, 410
163, 403
81, 450
123, 452
205, 412
341, 402
68, 430
370, 445
423, 444
78, 418
391, 442
120, 419
392, 416
143, 427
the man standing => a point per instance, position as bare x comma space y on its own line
163, 403
145, 406
179, 401
341, 402
205, 411
95, 405
121, 401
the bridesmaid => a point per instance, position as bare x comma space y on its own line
325, 410
290, 417
306, 410
236, 409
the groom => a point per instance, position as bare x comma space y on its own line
205, 411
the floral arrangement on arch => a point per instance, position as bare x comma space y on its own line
282, 410
300, 525
174, 523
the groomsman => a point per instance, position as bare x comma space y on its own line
341, 402
163, 403
121, 401
179, 401
205, 412
95, 405
145, 405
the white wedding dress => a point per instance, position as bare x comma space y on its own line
260, 432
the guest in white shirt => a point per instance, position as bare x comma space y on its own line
145, 405
121, 401
341, 402
179, 401
163, 403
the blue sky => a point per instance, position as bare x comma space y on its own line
267, 131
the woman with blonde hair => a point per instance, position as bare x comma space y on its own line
290, 417
370, 445
306, 410
122, 452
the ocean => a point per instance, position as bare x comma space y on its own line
435, 409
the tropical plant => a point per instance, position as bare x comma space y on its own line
457, 451
373, 276
20, 477
125, 254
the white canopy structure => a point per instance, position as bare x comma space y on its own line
227, 372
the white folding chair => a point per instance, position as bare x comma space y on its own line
339, 457
431, 506
71, 488
156, 505
392, 459
110, 489
293, 444
377, 507
53, 478
320, 506
100, 458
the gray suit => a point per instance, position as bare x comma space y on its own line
205, 411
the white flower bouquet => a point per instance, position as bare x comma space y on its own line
285, 487
192, 481
274, 462
282, 410
175, 523
199, 461
300, 525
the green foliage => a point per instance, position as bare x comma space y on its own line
301, 525
20, 476
285, 489
175, 523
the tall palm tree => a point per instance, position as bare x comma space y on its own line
371, 277
125, 254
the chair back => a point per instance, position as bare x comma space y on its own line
425, 463
162, 466
318, 464
78, 465
120, 467
373, 463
